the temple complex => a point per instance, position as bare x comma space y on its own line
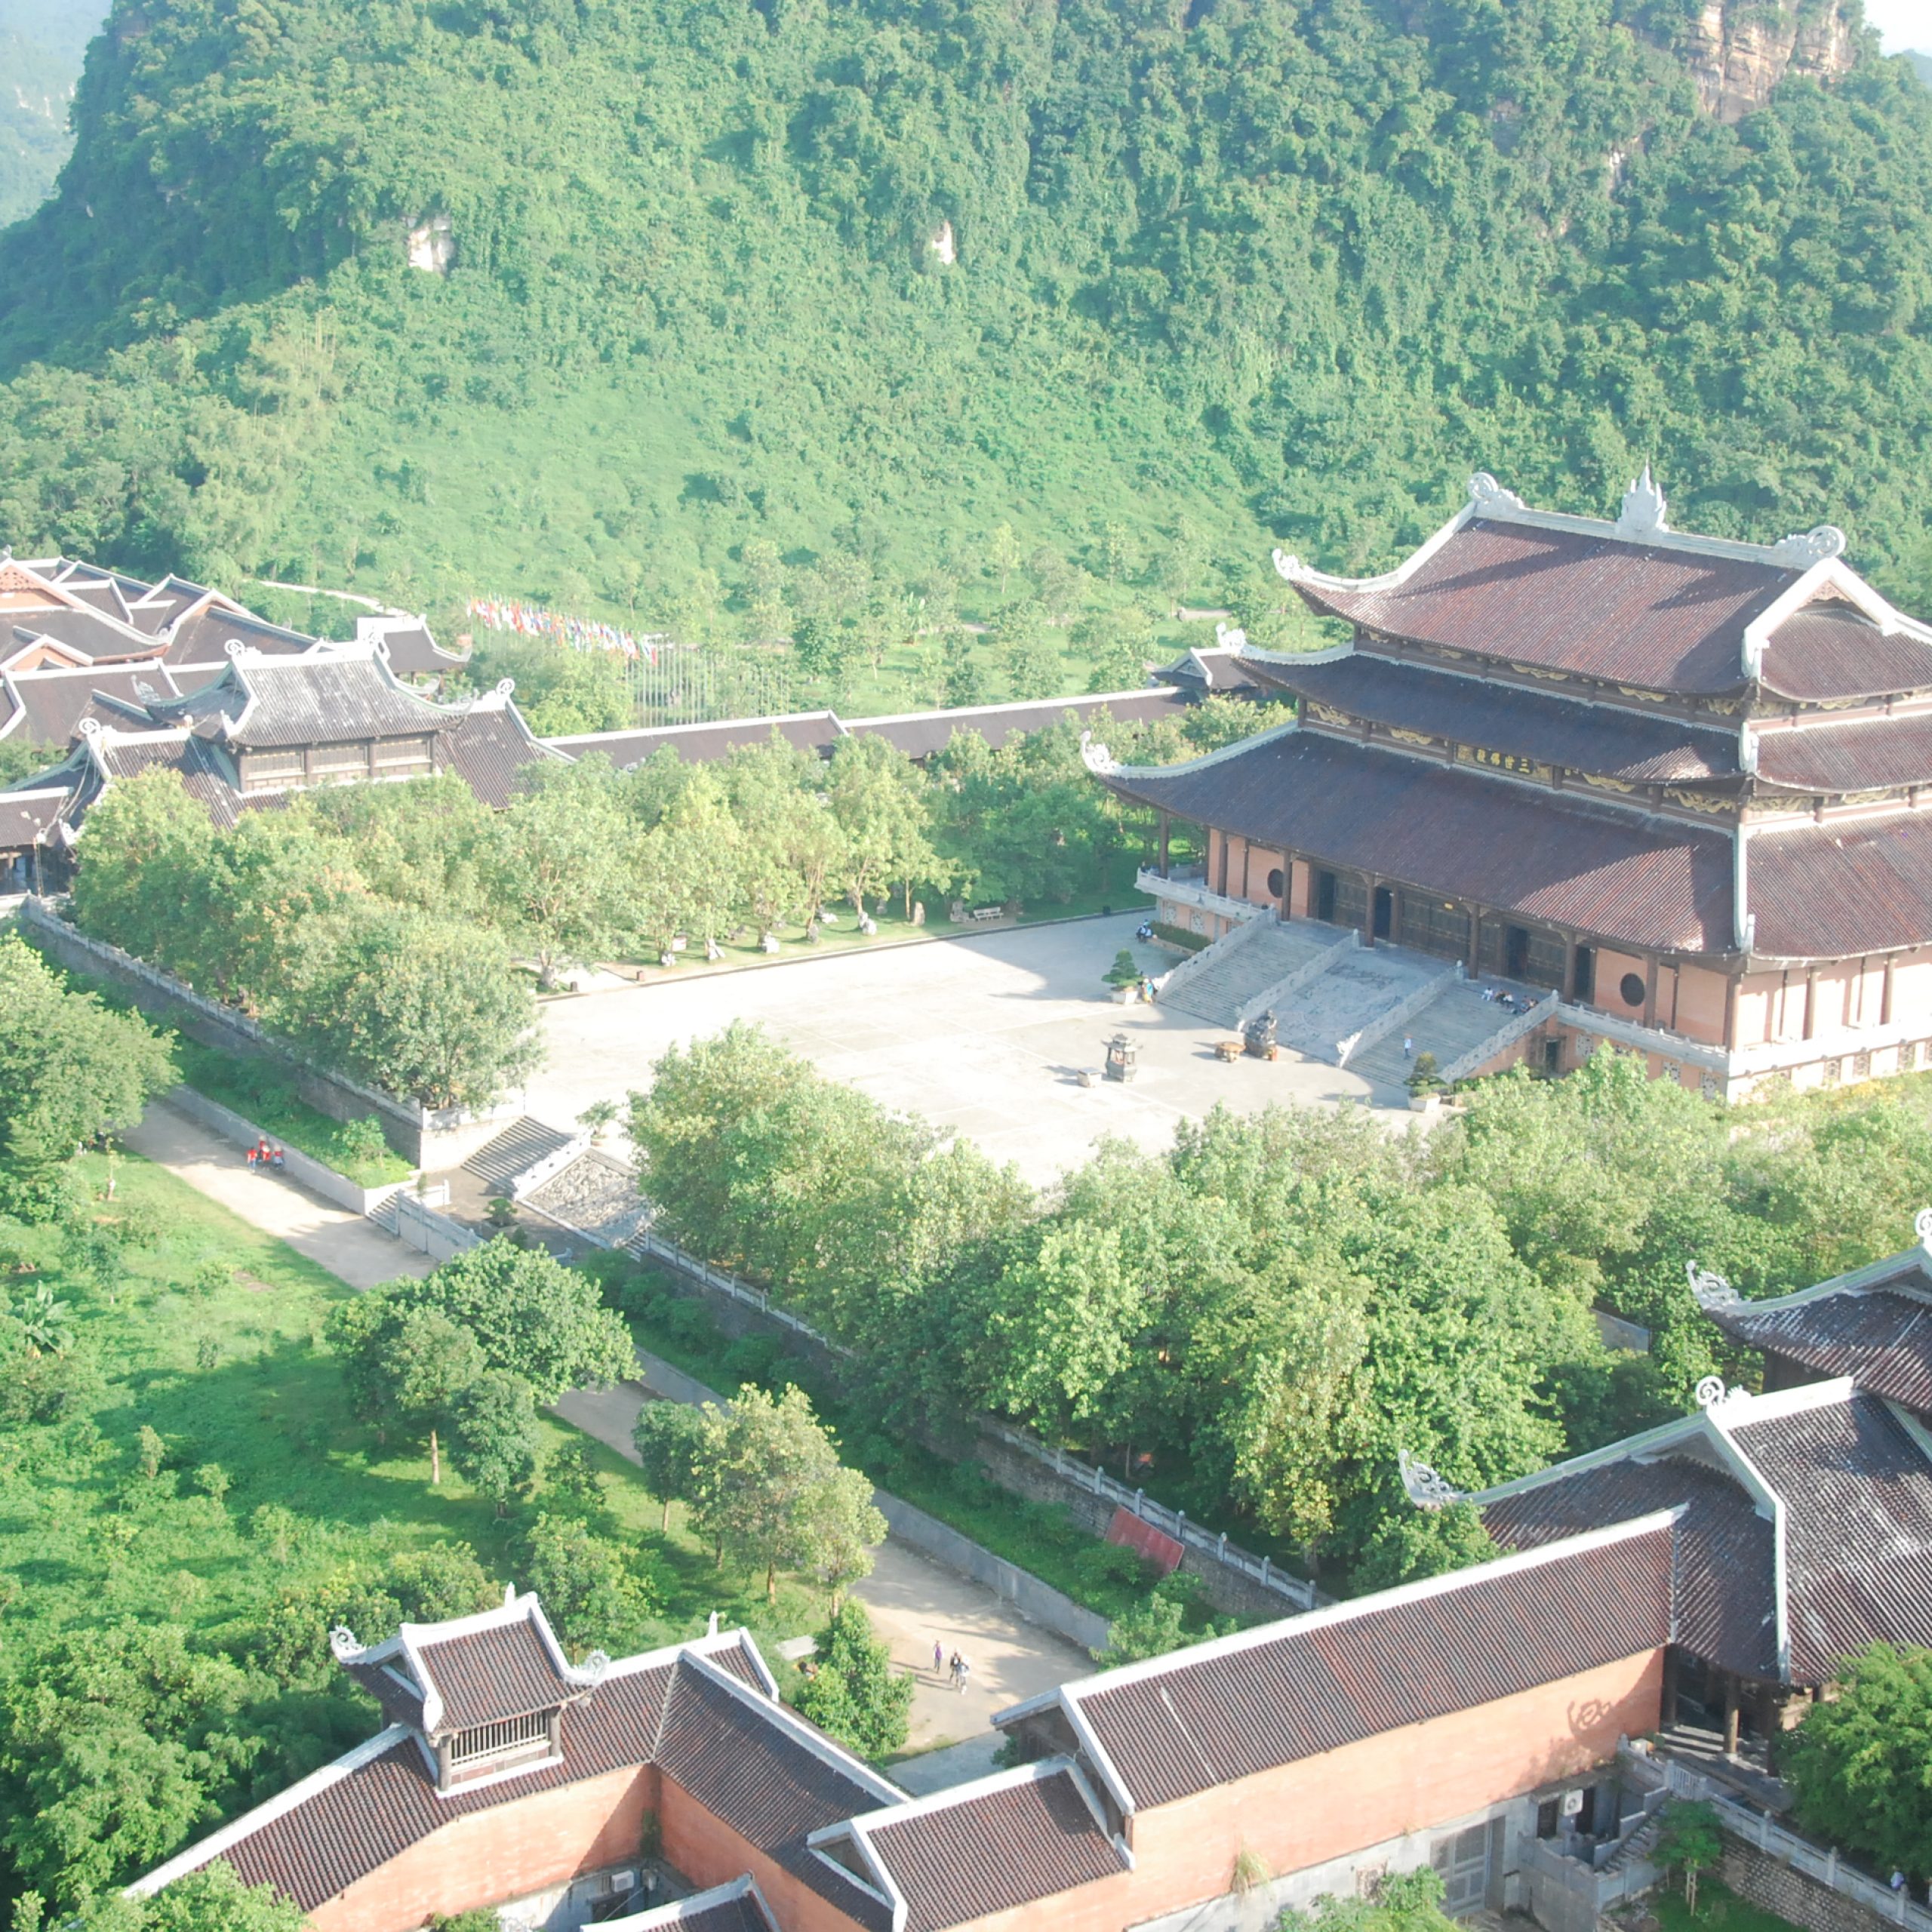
1660, 790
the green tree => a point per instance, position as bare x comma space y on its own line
530, 1314
70, 1068
672, 1442
592, 1589
1404, 1902
1689, 1841
493, 1435
878, 797
1856, 1766
769, 1471
404, 1364
853, 1693
561, 862
1423, 1542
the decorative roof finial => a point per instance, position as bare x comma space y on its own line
342, 1641
1489, 497
1288, 567
1642, 513
1817, 546
1096, 758
1710, 1392
1425, 1489
1921, 1226
1230, 637
1710, 1288
711, 1629
504, 686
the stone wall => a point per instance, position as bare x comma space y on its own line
1766, 1881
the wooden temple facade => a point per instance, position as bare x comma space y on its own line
1682, 784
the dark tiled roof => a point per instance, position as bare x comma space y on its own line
412, 650
204, 770
1832, 890
1536, 724
54, 702
488, 750
1883, 1339
325, 699
737, 1907
699, 744
1639, 879
205, 637
738, 1756
1874, 754
1650, 616
1724, 1581
1016, 1843
505, 1671
399, 1703
924, 734
1228, 1712
87, 631
1219, 670
1830, 651
27, 817
1858, 1549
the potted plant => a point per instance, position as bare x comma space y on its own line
1424, 1083
1123, 975
598, 1118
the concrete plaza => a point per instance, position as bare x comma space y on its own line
983, 1035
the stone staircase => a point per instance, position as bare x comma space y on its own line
1456, 1022
1257, 957
1363, 994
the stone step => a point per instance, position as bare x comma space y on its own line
1223, 987
1458, 1020
1355, 992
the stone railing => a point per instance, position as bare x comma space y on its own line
1183, 890
1302, 1595
1645, 1039
1505, 1035
1823, 1866
1404, 1010
1277, 996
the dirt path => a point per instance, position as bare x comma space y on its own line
914, 1602
353, 1249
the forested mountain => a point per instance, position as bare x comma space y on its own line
879, 276
40, 58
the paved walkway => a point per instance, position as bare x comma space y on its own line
913, 1600
982, 1036
351, 1247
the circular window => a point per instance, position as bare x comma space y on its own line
1278, 882
1631, 987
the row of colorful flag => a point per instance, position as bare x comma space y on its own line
504, 614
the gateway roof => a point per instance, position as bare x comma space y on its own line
1803, 1530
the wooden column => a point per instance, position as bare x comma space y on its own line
1733, 985
1473, 965
1167, 822
1287, 884
1885, 994
1810, 1001
1650, 991
1222, 872
1667, 1703
1368, 891
1731, 1715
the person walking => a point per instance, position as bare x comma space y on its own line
965, 1671
939, 1658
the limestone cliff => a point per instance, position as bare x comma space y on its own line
1738, 51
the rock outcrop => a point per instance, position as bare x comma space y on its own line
1738, 51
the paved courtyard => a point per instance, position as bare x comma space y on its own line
984, 1035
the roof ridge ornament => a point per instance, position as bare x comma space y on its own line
1097, 758
1425, 1489
342, 1642
1230, 637
1288, 567
1642, 514
1710, 1288
1818, 545
1921, 1226
1711, 1394
1489, 498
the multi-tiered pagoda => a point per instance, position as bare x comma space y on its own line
1677, 785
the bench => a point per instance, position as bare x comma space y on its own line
981, 914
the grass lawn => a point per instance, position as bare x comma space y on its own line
237, 1376
1719, 1910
